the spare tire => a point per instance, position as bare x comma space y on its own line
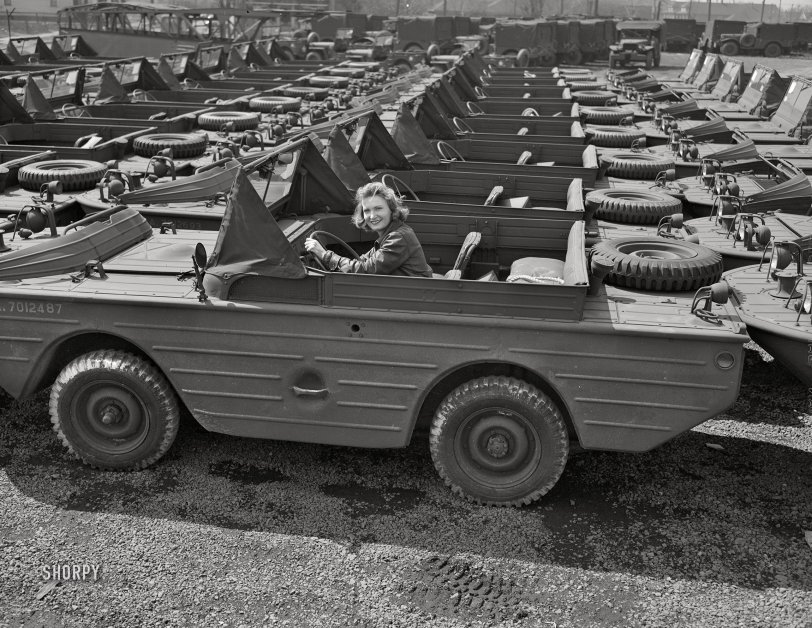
270, 104
73, 174
336, 82
586, 85
313, 93
635, 205
636, 165
182, 144
591, 97
659, 264
613, 136
605, 115
240, 120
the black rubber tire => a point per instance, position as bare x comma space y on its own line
121, 382
502, 412
613, 136
632, 205
73, 174
240, 120
523, 58
729, 49
748, 40
330, 82
314, 93
593, 97
636, 165
659, 264
547, 58
270, 104
573, 56
182, 144
287, 54
587, 85
604, 115
773, 50
313, 55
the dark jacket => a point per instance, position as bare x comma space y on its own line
396, 252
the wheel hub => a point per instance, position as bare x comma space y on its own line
112, 413
497, 446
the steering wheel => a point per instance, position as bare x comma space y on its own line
474, 109
391, 181
461, 125
347, 248
448, 152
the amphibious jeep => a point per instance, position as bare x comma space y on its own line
515, 350
638, 42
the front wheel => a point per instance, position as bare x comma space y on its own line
499, 441
114, 410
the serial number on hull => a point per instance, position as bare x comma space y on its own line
31, 307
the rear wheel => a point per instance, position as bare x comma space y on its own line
499, 441
114, 410
729, 49
773, 49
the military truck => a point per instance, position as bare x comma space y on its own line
530, 42
711, 37
638, 42
679, 35
759, 38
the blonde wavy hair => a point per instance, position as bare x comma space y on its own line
376, 188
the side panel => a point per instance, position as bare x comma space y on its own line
357, 377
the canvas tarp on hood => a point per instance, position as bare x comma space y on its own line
411, 140
343, 160
35, 103
250, 243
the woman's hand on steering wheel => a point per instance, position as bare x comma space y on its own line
317, 251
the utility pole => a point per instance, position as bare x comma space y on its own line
763, 2
8, 21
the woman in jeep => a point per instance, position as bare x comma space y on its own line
396, 251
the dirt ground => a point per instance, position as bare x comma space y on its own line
708, 530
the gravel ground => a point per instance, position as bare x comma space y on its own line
707, 530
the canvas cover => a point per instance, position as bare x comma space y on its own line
342, 159
313, 187
375, 147
411, 140
434, 123
250, 243
10, 108
110, 90
36, 104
